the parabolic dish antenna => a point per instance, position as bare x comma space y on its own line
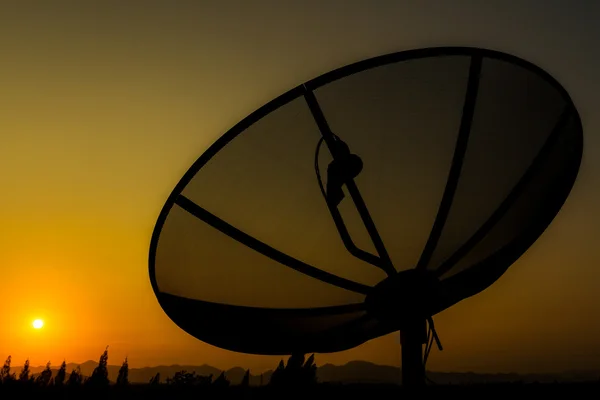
364, 202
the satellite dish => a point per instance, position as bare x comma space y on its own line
364, 202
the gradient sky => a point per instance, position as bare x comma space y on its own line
106, 104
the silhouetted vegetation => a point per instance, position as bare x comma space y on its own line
99, 378
185, 378
59, 380
222, 381
297, 372
155, 380
75, 379
24, 375
295, 379
45, 376
246, 379
5, 374
123, 378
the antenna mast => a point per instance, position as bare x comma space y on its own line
412, 339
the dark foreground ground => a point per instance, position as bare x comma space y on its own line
320, 391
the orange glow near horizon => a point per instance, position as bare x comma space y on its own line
104, 109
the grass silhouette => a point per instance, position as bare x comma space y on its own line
296, 379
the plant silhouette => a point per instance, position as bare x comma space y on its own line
155, 380
295, 378
24, 375
45, 377
221, 381
75, 379
59, 379
246, 379
185, 378
297, 372
99, 378
123, 378
5, 375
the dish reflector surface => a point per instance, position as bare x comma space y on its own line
467, 156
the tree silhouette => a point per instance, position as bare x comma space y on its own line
45, 377
246, 379
277, 375
24, 375
295, 362
309, 370
99, 376
184, 378
297, 372
123, 377
59, 379
75, 379
155, 380
5, 375
221, 381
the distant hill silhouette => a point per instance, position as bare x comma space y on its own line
352, 372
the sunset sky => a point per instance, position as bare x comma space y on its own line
106, 104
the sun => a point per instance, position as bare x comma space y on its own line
38, 324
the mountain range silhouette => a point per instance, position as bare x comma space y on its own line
352, 372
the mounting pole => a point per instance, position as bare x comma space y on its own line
412, 339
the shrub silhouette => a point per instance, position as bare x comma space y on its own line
5, 375
184, 378
246, 379
155, 380
221, 381
45, 377
59, 379
75, 379
292, 377
123, 377
297, 372
99, 378
24, 375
